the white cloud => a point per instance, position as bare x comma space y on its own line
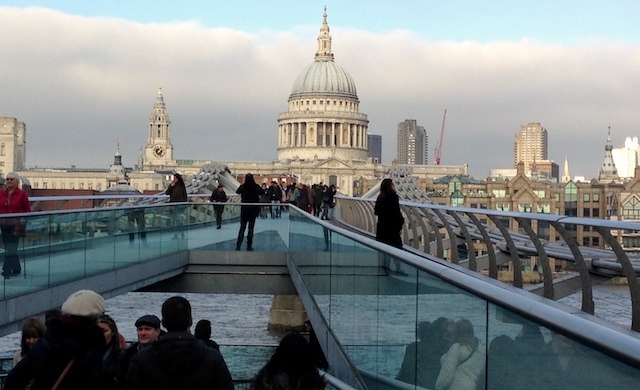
80, 84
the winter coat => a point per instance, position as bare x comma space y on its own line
390, 220
284, 381
178, 361
125, 360
421, 364
218, 197
177, 193
66, 338
303, 199
249, 194
461, 367
275, 194
316, 196
327, 196
211, 344
17, 202
111, 364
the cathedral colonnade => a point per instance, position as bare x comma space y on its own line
324, 134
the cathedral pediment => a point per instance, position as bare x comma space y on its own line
333, 163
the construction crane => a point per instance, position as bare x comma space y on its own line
439, 147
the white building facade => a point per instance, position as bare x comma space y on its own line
323, 119
626, 158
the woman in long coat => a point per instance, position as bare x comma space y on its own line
390, 219
249, 192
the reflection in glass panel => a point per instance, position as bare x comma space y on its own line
100, 255
524, 355
451, 337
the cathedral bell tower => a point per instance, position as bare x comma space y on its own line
158, 152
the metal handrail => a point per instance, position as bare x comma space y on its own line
609, 339
461, 227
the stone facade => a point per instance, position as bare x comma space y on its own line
158, 153
602, 200
13, 145
323, 119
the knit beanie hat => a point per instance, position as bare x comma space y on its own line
84, 303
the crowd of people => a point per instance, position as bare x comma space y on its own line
319, 198
80, 347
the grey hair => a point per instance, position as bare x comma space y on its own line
13, 175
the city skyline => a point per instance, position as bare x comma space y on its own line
89, 76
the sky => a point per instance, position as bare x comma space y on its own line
83, 75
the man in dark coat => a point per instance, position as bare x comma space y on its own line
178, 360
219, 197
275, 197
148, 330
74, 341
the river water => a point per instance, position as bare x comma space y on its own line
241, 320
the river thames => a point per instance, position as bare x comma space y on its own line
242, 319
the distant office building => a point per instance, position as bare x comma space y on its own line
531, 145
412, 143
375, 148
626, 158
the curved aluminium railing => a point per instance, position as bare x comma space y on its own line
480, 234
374, 299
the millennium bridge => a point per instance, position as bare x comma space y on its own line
364, 299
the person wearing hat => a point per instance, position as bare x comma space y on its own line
178, 360
148, 330
219, 196
70, 353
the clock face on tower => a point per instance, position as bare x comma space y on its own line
159, 151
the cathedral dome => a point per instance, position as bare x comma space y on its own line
324, 78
